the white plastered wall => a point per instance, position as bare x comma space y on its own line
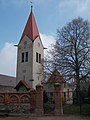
32, 70
24, 68
37, 67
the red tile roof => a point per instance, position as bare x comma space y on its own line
56, 77
24, 83
31, 29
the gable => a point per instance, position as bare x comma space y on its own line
56, 77
22, 85
38, 44
25, 41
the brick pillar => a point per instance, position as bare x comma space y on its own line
58, 99
6, 98
33, 100
7, 101
39, 100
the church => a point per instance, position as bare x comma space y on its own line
30, 62
30, 57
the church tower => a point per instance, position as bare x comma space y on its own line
30, 55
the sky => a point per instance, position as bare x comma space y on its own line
49, 15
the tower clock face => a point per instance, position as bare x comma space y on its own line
25, 44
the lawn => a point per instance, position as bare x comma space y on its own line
75, 109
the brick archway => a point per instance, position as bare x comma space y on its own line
2, 99
14, 98
25, 98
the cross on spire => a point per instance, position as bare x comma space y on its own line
31, 4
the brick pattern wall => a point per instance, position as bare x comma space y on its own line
23, 102
31, 102
16, 102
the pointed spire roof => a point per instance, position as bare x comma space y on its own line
56, 77
31, 29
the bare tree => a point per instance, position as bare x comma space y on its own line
71, 53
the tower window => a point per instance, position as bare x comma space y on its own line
22, 57
36, 57
39, 58
26, 59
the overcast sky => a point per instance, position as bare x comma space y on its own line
49, 15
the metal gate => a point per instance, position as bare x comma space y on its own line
49, 102
76, 105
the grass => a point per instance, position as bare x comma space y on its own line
71, 109
75, 109
86, 108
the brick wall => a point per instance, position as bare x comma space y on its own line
23, 102
16, 102
31, 102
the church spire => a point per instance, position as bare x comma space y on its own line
31, 29
31, 6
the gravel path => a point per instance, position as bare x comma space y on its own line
48, 118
